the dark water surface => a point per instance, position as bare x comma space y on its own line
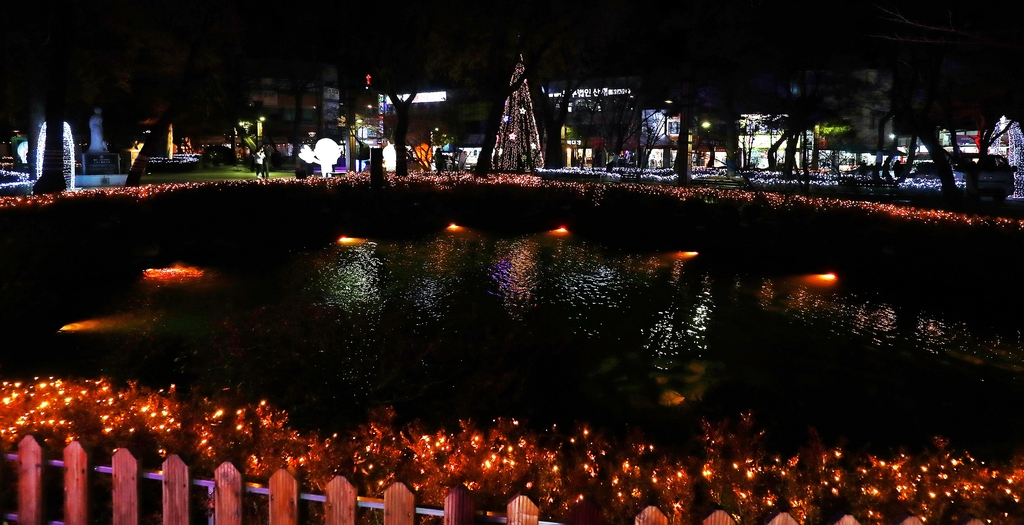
552, 329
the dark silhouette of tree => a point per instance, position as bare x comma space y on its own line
190, 73
51, 179
401, 68
947, 73
482, 44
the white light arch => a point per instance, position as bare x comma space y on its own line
69, 155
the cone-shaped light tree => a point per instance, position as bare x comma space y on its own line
517, 148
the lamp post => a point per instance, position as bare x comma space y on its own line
259, 132
705, 126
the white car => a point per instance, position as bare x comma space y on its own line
995, 179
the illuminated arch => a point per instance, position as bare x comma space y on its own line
69, 155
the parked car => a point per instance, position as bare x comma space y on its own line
218, 155
924, 169
989, 175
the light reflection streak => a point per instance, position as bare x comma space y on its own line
679, 334
113, 323
842, 314
354, 283
516, 274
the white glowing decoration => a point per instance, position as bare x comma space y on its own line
326, 153
423, 98
23, 152
389, 157
69, 155
1015, 153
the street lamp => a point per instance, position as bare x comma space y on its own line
259, 131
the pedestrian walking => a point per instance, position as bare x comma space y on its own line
260, 159
268, 152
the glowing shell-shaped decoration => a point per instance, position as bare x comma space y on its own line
389, 157
69, 155
326, 153
23, 152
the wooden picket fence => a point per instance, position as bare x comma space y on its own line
339, 500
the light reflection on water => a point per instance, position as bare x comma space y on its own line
886, 327
516, 274
636, 329
355, 282
590, 289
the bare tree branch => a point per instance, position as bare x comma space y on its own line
943, 35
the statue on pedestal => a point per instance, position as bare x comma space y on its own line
96, 144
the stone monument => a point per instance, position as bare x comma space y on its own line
100, 167
96, 144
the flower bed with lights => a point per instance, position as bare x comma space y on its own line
724, 463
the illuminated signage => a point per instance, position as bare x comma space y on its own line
595, 92
424, 98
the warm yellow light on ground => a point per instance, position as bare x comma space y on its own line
687, 255
561, 229
81, 326
101, 324
174, 273
348, 240
820, 279
454, 227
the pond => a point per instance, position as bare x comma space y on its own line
553, 329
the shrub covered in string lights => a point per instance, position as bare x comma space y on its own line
180, 162
14, 180
724, 463
663, 175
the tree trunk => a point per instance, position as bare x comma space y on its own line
731, 151
157, 136
815, 152
554, 156
51, 180
401, 132
945, 170
494, 113
683, 160
790, 162
773, 153
911, 151
496, 96
298, 92
36, 68
731, 131
553, 123
806, 181
880, 145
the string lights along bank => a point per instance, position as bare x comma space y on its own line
424, 181
727, 465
